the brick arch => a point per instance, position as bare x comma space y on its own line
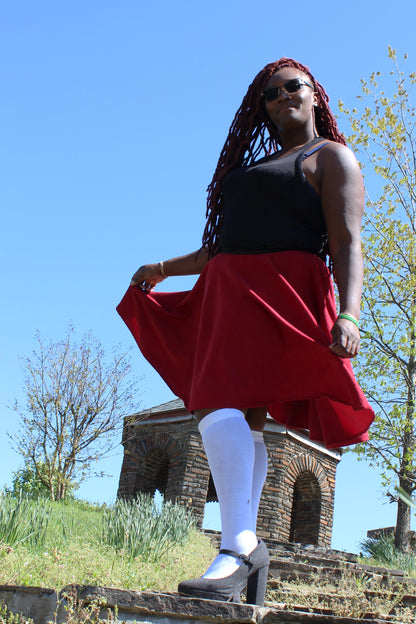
163, 442
307, 463
156, 457
306, 470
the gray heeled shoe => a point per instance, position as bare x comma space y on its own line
252, 574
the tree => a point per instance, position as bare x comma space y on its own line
75, 403
384, 137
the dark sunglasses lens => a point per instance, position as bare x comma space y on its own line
293, 85
271, 94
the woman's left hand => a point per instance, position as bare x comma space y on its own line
346, 338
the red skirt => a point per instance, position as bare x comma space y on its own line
254, 332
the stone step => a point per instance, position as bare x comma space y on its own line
347, 562
309, 550
164, 608
292, 571
312, 559
293, 561
292, 550
278, 547
326, 599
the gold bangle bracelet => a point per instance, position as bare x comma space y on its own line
162, 270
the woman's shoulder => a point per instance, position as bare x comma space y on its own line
335, 155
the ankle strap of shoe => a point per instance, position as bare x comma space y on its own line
233, 553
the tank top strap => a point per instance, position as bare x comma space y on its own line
309, 149
314, 148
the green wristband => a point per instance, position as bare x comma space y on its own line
349, 318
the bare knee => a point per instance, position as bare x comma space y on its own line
201, 413
256, 418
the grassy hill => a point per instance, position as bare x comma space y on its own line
54, 544
143, 547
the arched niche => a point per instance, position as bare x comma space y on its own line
306, 509
154, 472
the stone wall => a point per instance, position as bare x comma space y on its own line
165, 454
163, 450
298, 496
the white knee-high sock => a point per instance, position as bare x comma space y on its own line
229, 447
259, 473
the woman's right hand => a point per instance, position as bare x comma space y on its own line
147, 276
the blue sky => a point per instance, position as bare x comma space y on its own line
112, 119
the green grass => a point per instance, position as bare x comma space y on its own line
91, 545
74, 551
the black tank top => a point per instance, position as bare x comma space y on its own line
270, 206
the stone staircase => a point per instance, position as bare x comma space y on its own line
307, 585
314, 579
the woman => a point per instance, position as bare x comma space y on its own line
259, 332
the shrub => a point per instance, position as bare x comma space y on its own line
27, 482
7, 617
140, 528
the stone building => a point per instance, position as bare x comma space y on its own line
163, 451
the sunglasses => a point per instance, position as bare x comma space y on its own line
291, 86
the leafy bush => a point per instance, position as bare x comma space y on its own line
140, 528
382, 550
23, 520
25, 482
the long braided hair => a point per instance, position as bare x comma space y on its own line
251, 133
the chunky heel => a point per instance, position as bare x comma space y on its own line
252, 574
256, 587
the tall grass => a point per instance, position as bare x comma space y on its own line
23, 520
140, 528
383, 551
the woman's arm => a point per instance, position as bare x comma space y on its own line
342, 195
148, 275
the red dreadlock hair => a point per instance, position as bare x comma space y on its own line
251, 133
